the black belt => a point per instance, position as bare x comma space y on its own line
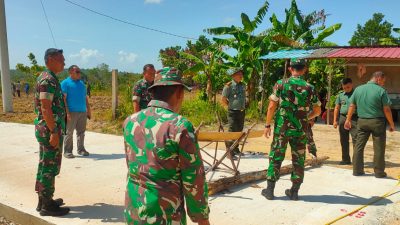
236, 110
353, 117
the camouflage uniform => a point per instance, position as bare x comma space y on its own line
48, 87
296, 98
165, 167
141, 93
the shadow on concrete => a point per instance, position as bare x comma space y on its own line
95, 156
99, 211
387, 163
347, 199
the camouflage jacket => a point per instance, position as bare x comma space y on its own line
141, 93
48, 87
296, 98
165, 167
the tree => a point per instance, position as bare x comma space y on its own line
300, 30
374, 32
209, 63
34, 69
249, 46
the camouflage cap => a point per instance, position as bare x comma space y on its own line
297, 62
168, 76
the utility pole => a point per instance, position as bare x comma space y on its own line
5, 64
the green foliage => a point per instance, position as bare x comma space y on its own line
254, 113
374, 32
198, 111
319, 71
247, 45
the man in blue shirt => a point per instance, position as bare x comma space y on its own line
78, 109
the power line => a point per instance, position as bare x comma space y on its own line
127, 22
48, 24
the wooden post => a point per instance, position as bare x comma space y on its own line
286, 68
114, 85
329, 92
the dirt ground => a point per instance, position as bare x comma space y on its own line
326, 137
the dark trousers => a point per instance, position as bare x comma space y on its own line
344, 137
236, 124
366, 127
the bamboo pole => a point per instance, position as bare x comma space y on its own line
329, 92
230, 182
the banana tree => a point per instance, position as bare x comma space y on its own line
299, 30
208, 62
249, 47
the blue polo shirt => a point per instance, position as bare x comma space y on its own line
76, 94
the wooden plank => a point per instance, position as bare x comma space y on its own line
225, 136
229, 182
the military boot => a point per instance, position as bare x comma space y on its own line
293, 193
58, 201
51, 208
269, 191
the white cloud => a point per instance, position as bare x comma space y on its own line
152, 1
85, 55
127, 57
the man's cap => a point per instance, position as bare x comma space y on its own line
168, 76
52, 51
297, 62
236, 70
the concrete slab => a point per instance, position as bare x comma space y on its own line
94, 188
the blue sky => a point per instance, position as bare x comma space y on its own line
89, 39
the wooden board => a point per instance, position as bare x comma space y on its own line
229, 182
225, 136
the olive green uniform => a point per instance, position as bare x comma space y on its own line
370, 99
236, 96
342, 100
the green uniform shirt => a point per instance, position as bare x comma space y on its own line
370, 99
236, 95
141, 93
343, 100
296, 98
48, 87
165, 168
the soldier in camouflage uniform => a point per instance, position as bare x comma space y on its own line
292, 100
49, 128
165, 167
141, 95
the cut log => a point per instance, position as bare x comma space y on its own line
229, 182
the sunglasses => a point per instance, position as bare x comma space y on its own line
77, 71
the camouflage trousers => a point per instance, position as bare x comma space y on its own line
48, 169
277, 155
311, 147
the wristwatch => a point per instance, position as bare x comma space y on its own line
267, 125
55, 130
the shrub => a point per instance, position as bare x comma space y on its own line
198, 111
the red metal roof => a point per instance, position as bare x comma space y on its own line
388, 53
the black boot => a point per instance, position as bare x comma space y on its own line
293, 193
51, 208
58, 201
269, 191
